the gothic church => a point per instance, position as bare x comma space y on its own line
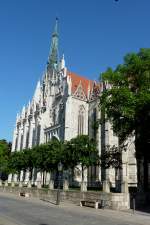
65, 105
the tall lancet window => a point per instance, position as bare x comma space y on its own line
27, 139
21, 142
38, 134
81, 119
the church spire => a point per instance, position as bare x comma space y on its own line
53, 57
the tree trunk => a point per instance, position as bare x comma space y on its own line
19, 175
82, 173
43, 178
24, 172
83, 184
117, 179
145, 174
30, 175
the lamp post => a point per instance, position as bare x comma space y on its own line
60, 167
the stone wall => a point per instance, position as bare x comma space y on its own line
117, 201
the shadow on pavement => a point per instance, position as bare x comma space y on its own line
44, 200
43, 224
145, 209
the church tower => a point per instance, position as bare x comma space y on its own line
53, 58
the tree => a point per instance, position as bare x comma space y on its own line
47, 156
126, 101
111, 157
82, 151
16, 162
5, 149
29, 161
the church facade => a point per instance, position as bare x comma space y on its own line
65, 105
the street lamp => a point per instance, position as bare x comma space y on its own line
60, 167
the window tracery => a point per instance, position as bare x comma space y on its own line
81, 119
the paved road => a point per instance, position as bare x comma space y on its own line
16, 210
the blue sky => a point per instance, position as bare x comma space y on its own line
94, 35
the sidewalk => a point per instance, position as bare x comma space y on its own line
6, 221
138, 218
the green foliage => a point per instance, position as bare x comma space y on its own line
111, 157
83, 150
29, 160
16, 162
45, 157
4, 156
127, 101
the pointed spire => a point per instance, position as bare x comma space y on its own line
62, 62
28, 108
37, 92
23, 111
17, 117
55, 33
89, 90
53, 57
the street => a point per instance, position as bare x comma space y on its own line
15, 210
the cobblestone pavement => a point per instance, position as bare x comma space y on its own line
15, 210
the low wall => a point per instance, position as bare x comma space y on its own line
119, 201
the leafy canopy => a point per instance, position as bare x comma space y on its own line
45, 157
5, 148
83, 151
126, 100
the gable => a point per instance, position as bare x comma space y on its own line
78, 81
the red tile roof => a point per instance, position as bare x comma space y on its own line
76, 79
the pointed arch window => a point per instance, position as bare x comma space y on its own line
54, 116
28, 134
21, 142
27, 139
81, 120
38, 134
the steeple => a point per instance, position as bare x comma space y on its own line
53, 57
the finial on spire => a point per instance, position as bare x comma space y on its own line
56, 27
